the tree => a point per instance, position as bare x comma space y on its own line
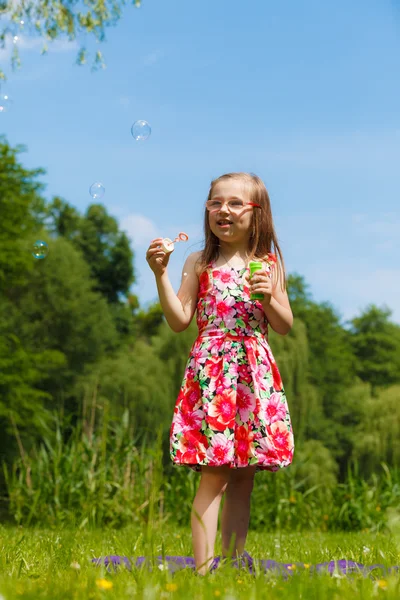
96, 235
54, 19
377, 438
57, 310
376, 343
20, 207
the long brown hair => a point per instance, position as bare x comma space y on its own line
263, 238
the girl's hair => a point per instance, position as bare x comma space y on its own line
262, 238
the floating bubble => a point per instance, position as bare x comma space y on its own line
97, 190
5, 103
141, 130
40, 249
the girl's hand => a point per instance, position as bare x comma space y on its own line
260, 283
157, 258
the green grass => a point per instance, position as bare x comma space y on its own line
55, 564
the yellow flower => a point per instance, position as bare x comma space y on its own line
292, 499
239, 581
104, 584
382, 583
307, 565
378, 508
217, 593
290, 567
171, 587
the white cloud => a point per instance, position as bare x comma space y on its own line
139, 229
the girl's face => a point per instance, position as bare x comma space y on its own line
231, 224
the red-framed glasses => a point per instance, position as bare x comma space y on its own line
234, 205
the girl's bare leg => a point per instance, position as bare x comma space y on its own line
204, 517
236, 510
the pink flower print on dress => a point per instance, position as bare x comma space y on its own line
243, 443
258, 312
213, 344
200, 354
266, 452
251, 351
220, 450
222, 382
273, 409
233, 369
213, 367
192, 447
281, 438
204, 284
232, 408
224, 279
241, 309
226, 313
244, 373
189, 420
222, 410
191, 396
245, 402
263, 376
276, 375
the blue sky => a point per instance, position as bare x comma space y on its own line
305, 94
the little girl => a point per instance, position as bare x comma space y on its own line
231, 417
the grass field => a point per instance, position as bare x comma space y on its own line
56, 565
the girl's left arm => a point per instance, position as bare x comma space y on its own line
277, 306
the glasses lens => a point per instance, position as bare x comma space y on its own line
236, 205
233, 205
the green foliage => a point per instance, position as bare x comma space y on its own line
61, 312
292, 356
20, 205
97, 476
100, 476
376, 343
174, 349
378, 435
52, 20
105, 249
135, 380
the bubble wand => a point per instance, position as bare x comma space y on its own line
168, 245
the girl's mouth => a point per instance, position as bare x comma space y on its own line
224, 223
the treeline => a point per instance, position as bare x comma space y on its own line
78, 353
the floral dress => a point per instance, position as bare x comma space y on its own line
231, 408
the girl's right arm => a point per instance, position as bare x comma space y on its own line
178, 308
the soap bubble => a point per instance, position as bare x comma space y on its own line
40, 249
97, 190
5, 103
141, 130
